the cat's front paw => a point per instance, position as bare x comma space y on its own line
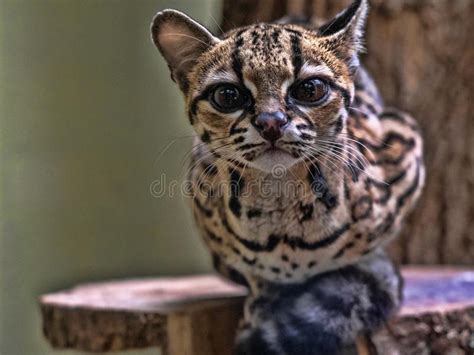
322, 315
287, 339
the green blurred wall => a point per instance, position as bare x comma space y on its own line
86, 106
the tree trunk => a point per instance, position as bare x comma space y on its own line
421, 54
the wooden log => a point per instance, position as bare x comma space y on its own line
191, 315
437, 316
199, 316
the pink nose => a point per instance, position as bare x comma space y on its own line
271, 125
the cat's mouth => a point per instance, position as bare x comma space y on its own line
273, 156
273, 149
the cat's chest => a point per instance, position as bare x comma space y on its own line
282, 230
277, 207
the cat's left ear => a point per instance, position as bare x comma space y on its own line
181, 41
344, 34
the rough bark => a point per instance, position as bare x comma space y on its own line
183, 316
437, 316
420, 53
199, 316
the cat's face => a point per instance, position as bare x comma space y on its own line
266, 94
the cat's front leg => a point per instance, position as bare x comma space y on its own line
323, 315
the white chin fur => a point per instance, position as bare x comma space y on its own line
271, 160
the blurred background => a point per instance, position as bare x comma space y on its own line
89, 120
86, 109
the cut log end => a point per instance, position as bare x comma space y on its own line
199, 315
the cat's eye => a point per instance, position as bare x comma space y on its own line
310, 92
228, 98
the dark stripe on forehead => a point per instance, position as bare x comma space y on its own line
293, 31
236, 61
296, 54
255, 37
276, 35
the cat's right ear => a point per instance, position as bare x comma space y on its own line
181, 41
344, 34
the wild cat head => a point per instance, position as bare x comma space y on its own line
264, 94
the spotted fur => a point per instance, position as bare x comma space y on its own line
323, 314
322, 199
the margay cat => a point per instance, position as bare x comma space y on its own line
301, 175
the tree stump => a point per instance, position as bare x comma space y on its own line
184, 316
199, 315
